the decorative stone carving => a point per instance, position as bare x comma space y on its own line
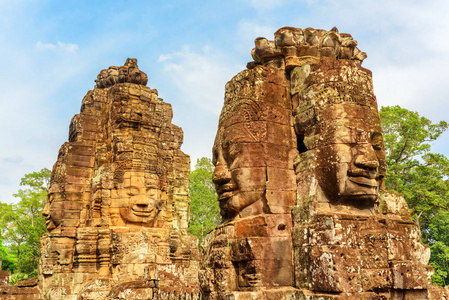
336, 119
255, 181
343, 242
350, 239
126, 73
118, 204
294, 45
299, 171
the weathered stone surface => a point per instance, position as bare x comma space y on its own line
254, 152
293, 46
4, 277
118, 203
22, 291
355, 240
299, 171
306, 99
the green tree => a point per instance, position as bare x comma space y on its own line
422, 177
8, 260
23, 224
204, 210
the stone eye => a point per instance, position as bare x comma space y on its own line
214, 157
133, 191
152, 191
376, 141
233, 152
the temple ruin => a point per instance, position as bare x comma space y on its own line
299, 172
118, 203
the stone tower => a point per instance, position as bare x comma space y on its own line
299, 171
118, 203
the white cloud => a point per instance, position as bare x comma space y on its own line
58, 47
164, 57
200, 76
405, 42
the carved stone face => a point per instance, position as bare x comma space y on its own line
139, 199
240, 173
351, 159
52, 213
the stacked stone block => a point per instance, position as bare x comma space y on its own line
118, 204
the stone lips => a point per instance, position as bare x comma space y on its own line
336, 117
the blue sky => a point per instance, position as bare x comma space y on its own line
52, 51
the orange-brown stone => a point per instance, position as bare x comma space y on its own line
306, 99
118, 203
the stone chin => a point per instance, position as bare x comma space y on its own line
232, 203
229, 204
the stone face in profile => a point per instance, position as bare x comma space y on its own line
253, 155
336, 117
53, 214
118, 202
253, 144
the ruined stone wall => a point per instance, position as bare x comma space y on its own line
22, 291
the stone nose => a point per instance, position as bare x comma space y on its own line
362, 161
221, 174
46, 211
366, 158
142, 201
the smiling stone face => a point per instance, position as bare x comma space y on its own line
240, 172
138, 199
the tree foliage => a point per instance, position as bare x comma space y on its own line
23, 224
204, 210
422, 177
9, 260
